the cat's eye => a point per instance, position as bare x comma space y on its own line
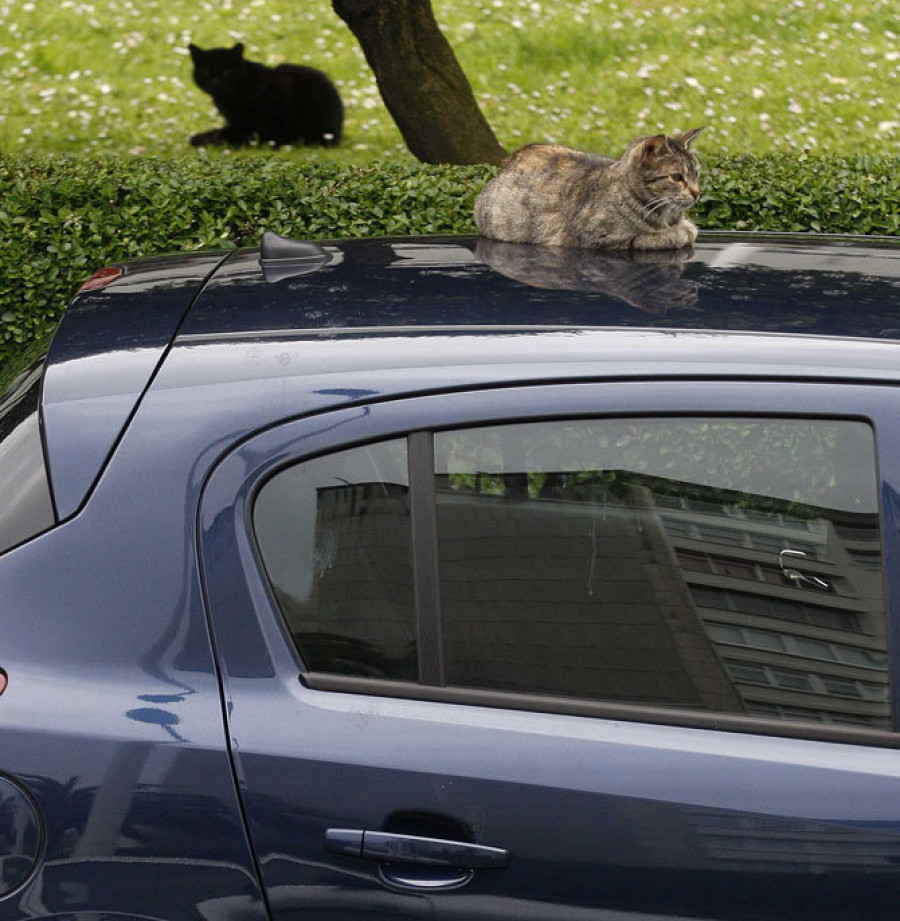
677, 177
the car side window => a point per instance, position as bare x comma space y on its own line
730, 565
716, 564
334, 535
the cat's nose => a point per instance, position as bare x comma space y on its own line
695, 191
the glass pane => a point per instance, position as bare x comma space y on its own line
334, 535
620, 559
26, 508
762, 639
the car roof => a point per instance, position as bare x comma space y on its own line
790, 284
321, 325
411, 315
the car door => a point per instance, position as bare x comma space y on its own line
603, 650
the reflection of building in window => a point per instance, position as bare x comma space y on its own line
653, 592
549, 596
670, 595
772, 844
793, 653
358, 617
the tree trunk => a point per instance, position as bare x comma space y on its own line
421, 81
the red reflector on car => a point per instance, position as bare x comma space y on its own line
3, 681
101, 279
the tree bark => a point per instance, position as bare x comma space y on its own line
421, 81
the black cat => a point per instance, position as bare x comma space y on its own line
287, 104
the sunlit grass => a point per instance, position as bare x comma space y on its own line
763, 75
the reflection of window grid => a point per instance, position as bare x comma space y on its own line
698, 561
806, 715
777, 608
803, 647
737, 536
667, 500
805, 682
865, 559
868, 533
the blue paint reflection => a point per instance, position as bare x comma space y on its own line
162, 718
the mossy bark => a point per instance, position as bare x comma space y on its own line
420, 81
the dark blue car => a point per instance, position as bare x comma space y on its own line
445, 579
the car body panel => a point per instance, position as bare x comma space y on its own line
173, 768
739, 282
112, 722
112, 719
625, 792
105, 351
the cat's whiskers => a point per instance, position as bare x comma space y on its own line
657, 204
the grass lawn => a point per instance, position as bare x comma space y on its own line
764, 75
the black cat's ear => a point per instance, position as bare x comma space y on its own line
239, 49
687, 138
194, 50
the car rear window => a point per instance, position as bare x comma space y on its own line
730, 565
27, 506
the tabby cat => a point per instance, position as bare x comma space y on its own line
557, 196
287, 104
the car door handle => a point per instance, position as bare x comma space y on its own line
392, 848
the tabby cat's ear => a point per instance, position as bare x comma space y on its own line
686, 138
653, 147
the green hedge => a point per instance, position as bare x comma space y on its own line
62, 218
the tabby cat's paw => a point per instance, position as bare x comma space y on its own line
691, 232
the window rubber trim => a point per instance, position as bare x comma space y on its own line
571, 706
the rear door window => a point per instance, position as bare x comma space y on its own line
335, 535
563, 545
730, 565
